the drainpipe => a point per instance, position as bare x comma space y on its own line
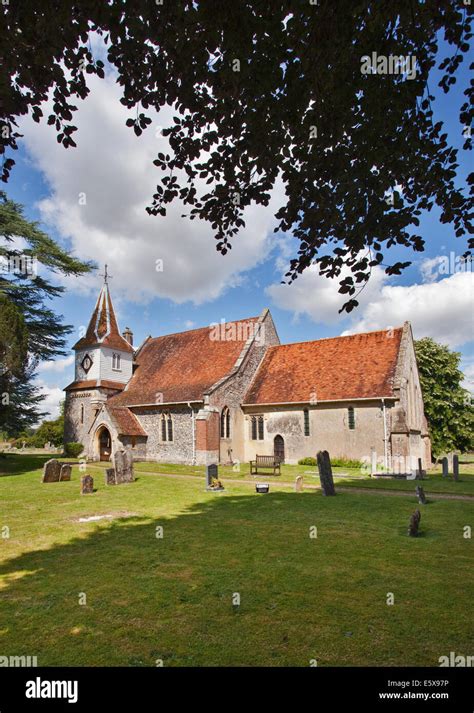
384, 435
194, 432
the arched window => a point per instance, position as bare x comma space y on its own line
260, 428
225, 423
116, 361
166, 427
82, 413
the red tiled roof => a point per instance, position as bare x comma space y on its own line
103, 328
126, 421
94, 384
354, 367
183, 366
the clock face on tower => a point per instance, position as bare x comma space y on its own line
86, 363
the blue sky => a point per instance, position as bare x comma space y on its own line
197, 285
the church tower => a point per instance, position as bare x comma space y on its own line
103, 367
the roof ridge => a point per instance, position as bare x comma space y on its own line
200, 329
342, 336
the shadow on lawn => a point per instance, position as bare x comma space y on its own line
150, 597
17, 463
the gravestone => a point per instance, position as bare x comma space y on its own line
211, 474
110, 476
51, 471
87, 484
299, 484
325, 473
65, 472
456, 466
444, 463
123, 461
414, 523
419, 474
420, 494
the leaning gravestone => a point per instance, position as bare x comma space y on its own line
87, 484
110, 476
456, 466
325, 473
299, 484
420, 494
445, 465
51, 471
414, 523
65, 472
123, 461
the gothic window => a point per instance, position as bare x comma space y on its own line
254, 428
166, 427
306, 422
225, 423
116, 362
82, 413
257, 428
351, 418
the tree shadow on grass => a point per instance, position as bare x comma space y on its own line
141, 589
18, 463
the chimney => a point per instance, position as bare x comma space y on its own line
128, 336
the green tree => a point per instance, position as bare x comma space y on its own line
50, 431
29, 330
448, 405
266, 91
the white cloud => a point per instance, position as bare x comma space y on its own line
53, 397
114, 169
58, 365
318, 297
441, 310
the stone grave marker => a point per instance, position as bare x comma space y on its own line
445, 466
299, 484
110, 476
419, 473
414, 523
456, 466
87, 484
51, 471
325, 473
123, 461
420, 494
65, 472
211, 474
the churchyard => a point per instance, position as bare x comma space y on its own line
160, 571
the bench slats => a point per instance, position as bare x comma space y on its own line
265, 462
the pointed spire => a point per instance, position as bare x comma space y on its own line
103, 328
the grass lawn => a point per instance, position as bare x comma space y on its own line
149, 598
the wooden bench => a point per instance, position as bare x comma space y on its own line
265, 463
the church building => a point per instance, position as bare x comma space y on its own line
227, 392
